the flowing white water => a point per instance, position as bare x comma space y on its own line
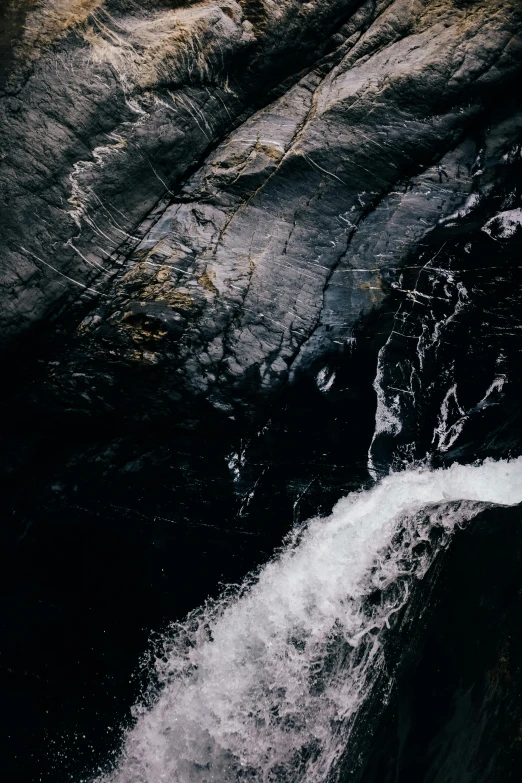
263, 685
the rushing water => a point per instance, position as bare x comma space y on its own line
264, 684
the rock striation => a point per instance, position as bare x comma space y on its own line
210, 245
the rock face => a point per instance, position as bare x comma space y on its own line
289, 232
107, 107
254, 253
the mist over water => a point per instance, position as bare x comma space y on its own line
264, 684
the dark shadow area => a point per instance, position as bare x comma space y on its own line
455, 713
107, 535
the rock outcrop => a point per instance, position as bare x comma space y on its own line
290, 231
253, 253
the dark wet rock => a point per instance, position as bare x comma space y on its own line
454, 711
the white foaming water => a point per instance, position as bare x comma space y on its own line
264, 684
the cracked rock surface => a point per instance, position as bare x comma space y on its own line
211, 247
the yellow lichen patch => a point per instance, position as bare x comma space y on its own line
163, 274
160, 49
137, 271
162, 290
374, 289
149, 293
271, 151
143, 327
53, 18
179, 299
147, 357
148, 284
206, 281
108, 46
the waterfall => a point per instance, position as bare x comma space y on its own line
264, 683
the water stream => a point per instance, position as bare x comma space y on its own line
265, 683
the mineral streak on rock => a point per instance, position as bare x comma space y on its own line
289, 228
106, 107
